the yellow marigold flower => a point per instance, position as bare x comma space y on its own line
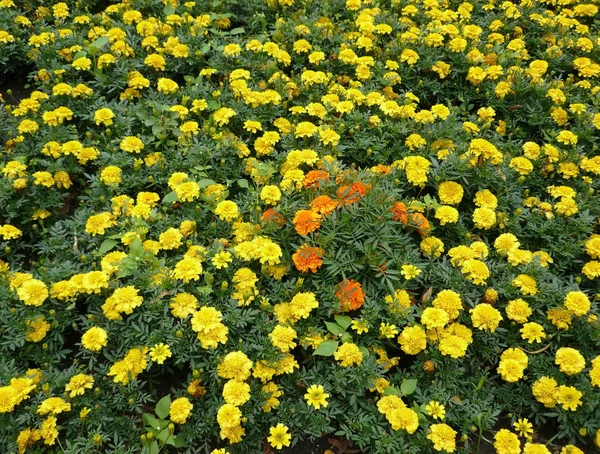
131, 144
578, 303
167, 86
569, 360
435, 409
104, 116
506, 442
236, 392
82, 64
316, 396
78, 384
94, 339
160, 352
283, 337
33, 292
568, 397
413, 340
348, 354
53, 405
485, 317
443, 437
227, 210
223, 115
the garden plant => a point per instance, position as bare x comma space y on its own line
240, 226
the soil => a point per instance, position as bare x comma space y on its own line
15, 84
317, 446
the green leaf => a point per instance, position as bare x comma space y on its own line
364, 351
237, 31
343, 320
136, 248
79, 55
126, 267
205, 182
102, 41
213, 105
392, 391
346, 337
163, 406
168, 10
178, 442
408, 387
150, 420
154, 449
326, 348
334, 328
170, 198
242, 183
106, 246
163, 435
206, 290
481, 382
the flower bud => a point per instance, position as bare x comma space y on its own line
429, 366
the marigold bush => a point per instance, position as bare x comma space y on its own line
230, 225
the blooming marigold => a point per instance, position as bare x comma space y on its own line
323, 205
306, 221
350, 295
316, 178
399, 212
420, 223
308, 258
351, 193
273, 216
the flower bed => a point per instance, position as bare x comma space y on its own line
231, 226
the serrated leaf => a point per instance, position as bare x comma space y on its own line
408, 386
163, 406
102, 41
326, 348
334, 328
170, 198
106, 246
343, 320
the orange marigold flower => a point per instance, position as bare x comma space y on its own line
308, 258
420, 223
381, 169
352, 193
271, 215
316, 178
350, 294
306, 221
324, 205
399, 212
